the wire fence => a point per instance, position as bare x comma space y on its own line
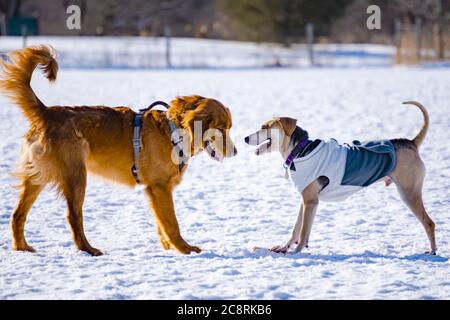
418, 43
148, 53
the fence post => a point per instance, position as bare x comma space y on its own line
418, 30
439, 35
24, 31
398, 40
168, 34
3, 24
310, 42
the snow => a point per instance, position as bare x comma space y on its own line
368, 247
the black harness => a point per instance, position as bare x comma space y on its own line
176, 139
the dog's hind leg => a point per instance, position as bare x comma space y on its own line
413, 200
409, 185
28, 195
73, 187
160, 197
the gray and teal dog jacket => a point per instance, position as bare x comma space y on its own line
349, 168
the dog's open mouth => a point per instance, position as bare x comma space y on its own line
212, 153
263, 147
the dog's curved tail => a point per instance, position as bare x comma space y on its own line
426, 123
15, 77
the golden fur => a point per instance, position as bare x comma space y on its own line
64, 143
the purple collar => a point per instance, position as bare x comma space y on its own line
296, 151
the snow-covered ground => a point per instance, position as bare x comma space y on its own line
367, 247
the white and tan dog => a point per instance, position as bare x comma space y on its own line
324, 163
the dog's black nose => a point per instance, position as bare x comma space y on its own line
247, 139
235, 151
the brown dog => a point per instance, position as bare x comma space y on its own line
64, 143
408, 174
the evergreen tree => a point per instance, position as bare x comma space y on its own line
281, 20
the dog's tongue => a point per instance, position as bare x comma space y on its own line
262, 148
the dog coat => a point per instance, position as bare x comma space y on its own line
349, 168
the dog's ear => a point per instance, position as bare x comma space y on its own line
196, 122
288, 125
197, 115
181, 105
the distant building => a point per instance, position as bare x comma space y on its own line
19, 26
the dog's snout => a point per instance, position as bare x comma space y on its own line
247, 139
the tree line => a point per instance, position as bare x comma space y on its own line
281, 21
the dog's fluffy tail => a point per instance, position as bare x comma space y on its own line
426, 123
15, 77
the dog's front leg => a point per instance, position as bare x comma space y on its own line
309, 212
163, 239
162, 203
295, 234
310, 205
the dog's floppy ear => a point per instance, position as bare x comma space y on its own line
199, 115
288, 125
181, 105
200, 118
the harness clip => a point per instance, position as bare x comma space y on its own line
137, 143
180, 139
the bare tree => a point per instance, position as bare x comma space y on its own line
433, 12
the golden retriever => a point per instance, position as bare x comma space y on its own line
64, 143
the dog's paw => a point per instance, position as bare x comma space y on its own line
189, 249
94, 252
279, 249
196, 249
24, 247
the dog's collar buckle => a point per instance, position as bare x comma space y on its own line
137, 143
177, 141
174, 135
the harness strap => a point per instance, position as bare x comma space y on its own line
137, 122
177, 141
294, 153
175, 138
